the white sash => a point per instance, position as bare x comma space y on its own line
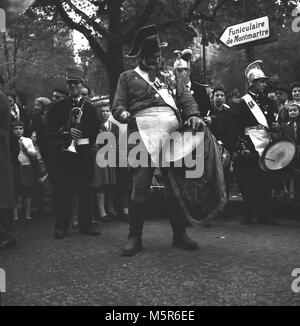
163, 92
256, 110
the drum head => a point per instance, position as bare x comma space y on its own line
278, 155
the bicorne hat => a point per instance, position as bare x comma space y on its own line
146, 41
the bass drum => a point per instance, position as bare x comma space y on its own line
280, 156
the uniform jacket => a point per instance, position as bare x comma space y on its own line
58, 122
134, 94
246, 119
80, 164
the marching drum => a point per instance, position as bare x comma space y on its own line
281, 155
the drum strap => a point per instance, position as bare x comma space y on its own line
255, 110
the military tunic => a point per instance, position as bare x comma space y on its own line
255, 184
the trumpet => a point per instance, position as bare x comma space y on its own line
77, 114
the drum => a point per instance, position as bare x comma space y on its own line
280, 156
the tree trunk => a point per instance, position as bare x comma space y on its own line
115, 64
7, 59
114, 67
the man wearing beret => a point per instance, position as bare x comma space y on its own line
73, 170
145, 94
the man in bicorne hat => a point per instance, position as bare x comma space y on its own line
255, 125
144, 96
73, 170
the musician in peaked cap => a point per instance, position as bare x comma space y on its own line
254, 126
143, 94
73, 171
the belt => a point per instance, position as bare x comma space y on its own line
83, 141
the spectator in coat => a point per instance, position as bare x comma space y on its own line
6, 176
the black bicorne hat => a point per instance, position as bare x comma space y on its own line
146, 41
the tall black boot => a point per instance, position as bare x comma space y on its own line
178, 223
136, 222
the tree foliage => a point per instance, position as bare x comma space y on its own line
35, 52
109, 26
281, 61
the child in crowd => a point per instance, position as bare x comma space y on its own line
291, 130
105, 178
296, 92
23, 170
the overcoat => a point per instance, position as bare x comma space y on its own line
6, 174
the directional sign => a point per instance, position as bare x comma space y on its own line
246, 32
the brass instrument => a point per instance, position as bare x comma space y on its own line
76, 113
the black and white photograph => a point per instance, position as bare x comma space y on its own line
149, 155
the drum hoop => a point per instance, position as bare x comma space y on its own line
262, 157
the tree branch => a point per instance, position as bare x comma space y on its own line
89, 20
212, 16
148, 10
85, 31
194, 6
193, 16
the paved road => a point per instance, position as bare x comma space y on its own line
236, 265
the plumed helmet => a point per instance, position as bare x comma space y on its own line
253, 72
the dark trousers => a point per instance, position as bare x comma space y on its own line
256, 188
72, 177
4, 225
64, 192
142, 178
